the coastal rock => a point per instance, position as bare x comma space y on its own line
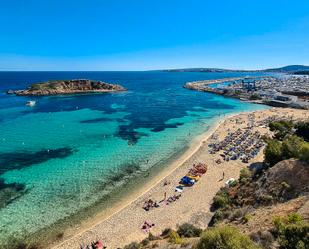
68, 87
10, 92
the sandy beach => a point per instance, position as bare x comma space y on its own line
122, 224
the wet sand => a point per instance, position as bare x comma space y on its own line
122, 223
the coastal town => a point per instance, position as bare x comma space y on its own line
285, 91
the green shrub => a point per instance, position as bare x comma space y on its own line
175, 238
246, 218
152, 237
221, 200
237, 213
281, 125
36, 86
281, 128
263, 238
292, 231
266, 199
279, 224
166, 232
304, 152
188, 230
245, 175
145, 242
133, 245
218, 216
302, 130
294, 236
291, 147
225, 237
294, 218
273, 152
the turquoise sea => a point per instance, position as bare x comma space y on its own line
67, 154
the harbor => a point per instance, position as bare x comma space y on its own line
284, 91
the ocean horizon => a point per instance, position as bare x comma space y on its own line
74, 155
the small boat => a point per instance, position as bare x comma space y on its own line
31, 103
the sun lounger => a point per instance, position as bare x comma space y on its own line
187, 181
179, 189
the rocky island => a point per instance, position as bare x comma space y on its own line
60, 87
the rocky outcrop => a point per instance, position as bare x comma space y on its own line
60, 87
287, 179
284, 181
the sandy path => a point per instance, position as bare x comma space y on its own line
123, 226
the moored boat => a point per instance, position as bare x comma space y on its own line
31, 103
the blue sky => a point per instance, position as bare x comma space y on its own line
142, 35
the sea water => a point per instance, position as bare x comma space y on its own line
70, 152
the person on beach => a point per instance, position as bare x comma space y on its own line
166, 183
163, 198
223, 175
147, 226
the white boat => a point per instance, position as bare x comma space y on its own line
31, 103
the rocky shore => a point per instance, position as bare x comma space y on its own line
60, 87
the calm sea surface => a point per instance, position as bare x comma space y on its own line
71, 152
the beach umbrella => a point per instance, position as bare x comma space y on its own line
99, 245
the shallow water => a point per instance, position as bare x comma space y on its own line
71, 151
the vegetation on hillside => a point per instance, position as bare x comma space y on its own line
276, 181
289, 141
292, 231
225, 237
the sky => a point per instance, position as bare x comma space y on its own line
159, 34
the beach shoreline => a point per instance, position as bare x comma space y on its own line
128, 206
137, 193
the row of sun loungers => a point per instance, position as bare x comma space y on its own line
242, 145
